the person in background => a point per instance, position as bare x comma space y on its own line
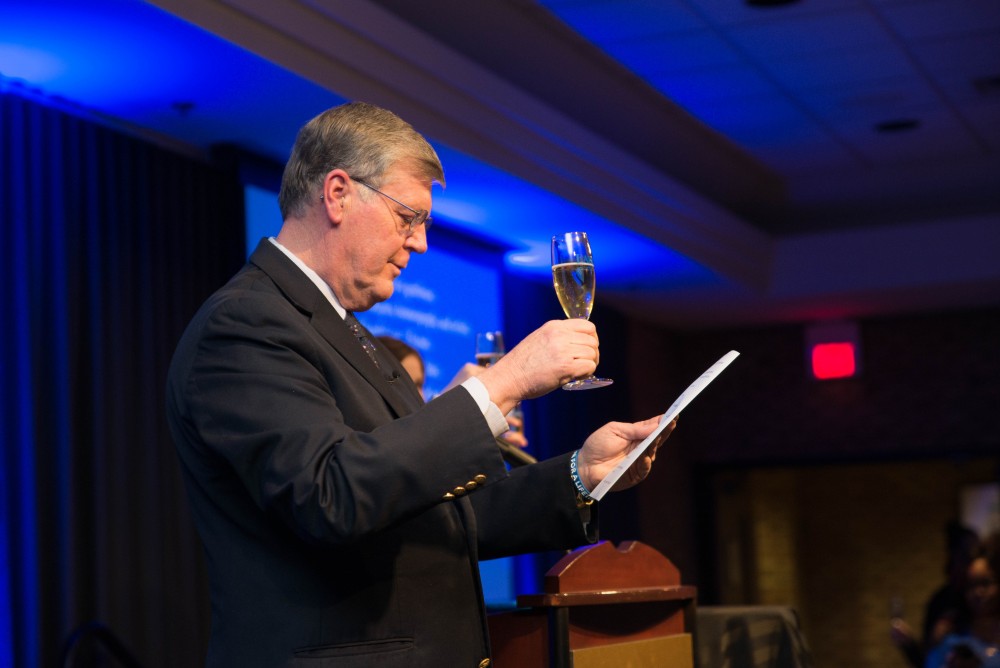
411, 360
946, 607
973, 641
343, 518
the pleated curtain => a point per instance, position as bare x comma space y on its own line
110, 243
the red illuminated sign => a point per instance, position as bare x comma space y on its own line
833, 360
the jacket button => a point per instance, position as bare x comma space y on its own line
448, 496
471, 485
485, 663
458, 491
480, 479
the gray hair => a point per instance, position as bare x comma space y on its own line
360, 138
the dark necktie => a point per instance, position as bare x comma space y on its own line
362, 336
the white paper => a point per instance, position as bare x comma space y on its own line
683, 400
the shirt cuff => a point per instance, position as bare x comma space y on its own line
494, 418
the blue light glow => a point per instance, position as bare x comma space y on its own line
30, 64
130, 60
512, 212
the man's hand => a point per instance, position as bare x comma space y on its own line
557, 352
608, 446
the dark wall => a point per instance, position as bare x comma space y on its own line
929, 389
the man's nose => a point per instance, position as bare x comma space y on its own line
417, 241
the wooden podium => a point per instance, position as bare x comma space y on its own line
602, 606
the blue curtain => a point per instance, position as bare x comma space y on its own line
109, 245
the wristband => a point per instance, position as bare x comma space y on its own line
574, 472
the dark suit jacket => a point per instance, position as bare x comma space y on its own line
317, 483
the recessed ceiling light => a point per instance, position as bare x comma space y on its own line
897, 125
988, 85
770, 3
183, 107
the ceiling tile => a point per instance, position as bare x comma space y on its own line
652, 56
777, 132
871, 102
792, 135
731, 12
963, 90
616, 20
985, 121
943, 18
755, 120
835, 32
940, 136
960, 60
713, 84
833, 70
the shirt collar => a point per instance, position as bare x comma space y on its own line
313, 276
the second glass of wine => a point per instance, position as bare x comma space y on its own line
573, 278
489, 348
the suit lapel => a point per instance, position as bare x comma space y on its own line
298, 289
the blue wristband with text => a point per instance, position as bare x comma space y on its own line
577, 482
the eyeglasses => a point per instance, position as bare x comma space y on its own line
419, 217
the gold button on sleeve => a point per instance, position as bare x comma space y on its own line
480, 479
458, 491
471, 485
448, 496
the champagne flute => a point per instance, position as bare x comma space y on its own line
573, 278
489, 348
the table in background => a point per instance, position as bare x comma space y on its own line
755, 636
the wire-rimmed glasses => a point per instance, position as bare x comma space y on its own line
419, 217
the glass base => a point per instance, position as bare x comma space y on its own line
590, 383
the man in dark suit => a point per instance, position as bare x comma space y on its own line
342, 517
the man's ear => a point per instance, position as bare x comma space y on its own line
335, 195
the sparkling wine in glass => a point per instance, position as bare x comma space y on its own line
573, 278
489, 348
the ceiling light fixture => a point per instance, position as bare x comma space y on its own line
183, 108
770, 3
897, 125
988, 85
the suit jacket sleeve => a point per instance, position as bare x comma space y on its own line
540, 496
258, 392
